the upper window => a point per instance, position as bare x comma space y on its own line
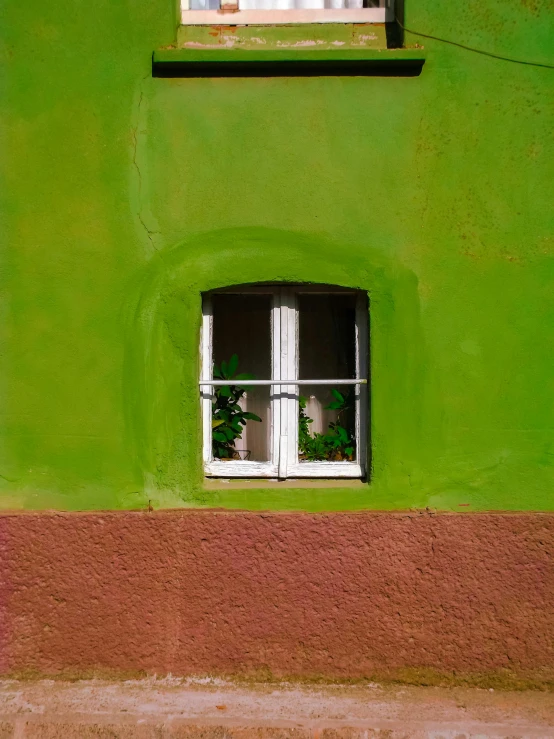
244, 12
284, 382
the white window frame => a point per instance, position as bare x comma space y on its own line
284, 462
229, 16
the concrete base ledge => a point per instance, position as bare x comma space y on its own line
60, 726
216, 709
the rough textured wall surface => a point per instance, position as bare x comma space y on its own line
350, 594
125, 196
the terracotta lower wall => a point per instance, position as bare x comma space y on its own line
338, 594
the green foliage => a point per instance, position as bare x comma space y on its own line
228, 418
337, 444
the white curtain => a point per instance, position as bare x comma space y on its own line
315, 409
256, 436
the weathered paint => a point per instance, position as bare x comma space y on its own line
300, 36
337, 595
125, 196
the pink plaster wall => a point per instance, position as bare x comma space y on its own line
340, 594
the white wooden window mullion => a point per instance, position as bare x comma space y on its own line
289, 349
206, 392
362, 370
275, 395
288, 372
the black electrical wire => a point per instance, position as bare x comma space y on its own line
471, 48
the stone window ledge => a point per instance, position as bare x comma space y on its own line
289, 61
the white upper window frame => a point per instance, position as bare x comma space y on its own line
231, 15
284, 462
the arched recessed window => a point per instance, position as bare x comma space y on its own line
284, 381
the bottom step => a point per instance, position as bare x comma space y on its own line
209, 708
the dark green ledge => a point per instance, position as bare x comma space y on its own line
290, 62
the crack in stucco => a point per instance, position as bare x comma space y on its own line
134, 133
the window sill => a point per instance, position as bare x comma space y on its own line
296, 62
305, 470
222, 484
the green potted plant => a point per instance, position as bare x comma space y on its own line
228, 418
335, 445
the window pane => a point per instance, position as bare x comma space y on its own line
242, 329
327, 423
204, 4
327, 339
327, 350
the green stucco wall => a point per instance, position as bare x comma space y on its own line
124, 196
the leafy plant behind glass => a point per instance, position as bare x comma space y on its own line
228, 418
337, 444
